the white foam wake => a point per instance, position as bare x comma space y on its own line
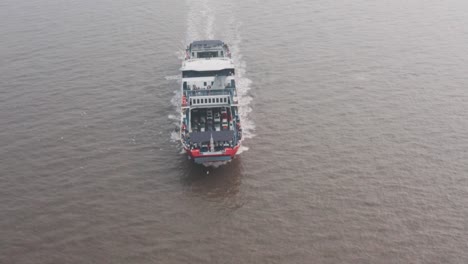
243, 84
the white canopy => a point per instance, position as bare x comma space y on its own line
214, 64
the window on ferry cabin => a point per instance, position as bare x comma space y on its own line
196, 74
207, 54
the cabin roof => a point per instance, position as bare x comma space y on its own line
214, 64
206, 44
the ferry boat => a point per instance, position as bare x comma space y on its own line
210, 128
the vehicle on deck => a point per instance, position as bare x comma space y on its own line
225, 124
209, 100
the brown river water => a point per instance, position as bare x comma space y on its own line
355, 116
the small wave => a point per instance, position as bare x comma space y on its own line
173, 117
215, 164
180, 53
242, 149
175, 136
172, 77
176, 100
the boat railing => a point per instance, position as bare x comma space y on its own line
209, 101
190, 58
207, 92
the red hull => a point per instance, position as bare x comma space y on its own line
199, 157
